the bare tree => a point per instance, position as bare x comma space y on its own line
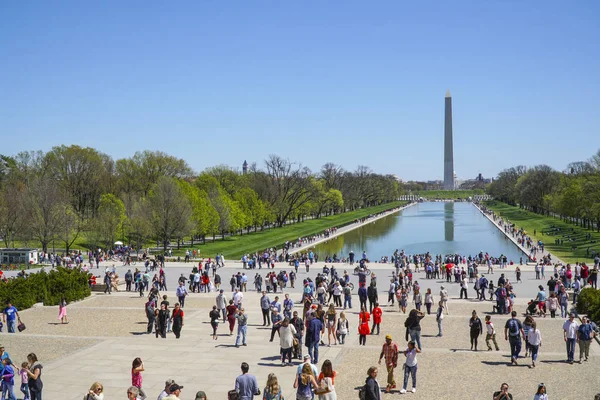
288, 187
171, 211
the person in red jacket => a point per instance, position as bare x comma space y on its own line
363, 326
377, 313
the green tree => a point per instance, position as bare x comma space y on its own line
110, 219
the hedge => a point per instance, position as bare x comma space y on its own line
44, 287
588, 303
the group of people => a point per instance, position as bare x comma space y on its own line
30, 374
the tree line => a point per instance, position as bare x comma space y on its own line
572, 194
74, 194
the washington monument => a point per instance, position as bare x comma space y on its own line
448, 148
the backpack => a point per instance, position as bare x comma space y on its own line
513, 327
362, 392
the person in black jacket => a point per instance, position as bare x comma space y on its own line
476, 329
372, 295
372, 389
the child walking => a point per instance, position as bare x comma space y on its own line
490, 333
24, 380
8, 380
137, 367
62, 311
439, 317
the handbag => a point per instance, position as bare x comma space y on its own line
296, 342
323, 388
21, 327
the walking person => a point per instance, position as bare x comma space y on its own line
570, 328
363, 326
444, 298
585, 334
314, 330
272, 389
527, 323
181, 293
150, 314
418, 299
231, 313
137, 367
389, 352
221, 302
439, 318
413, 326
10, 316
246, 385
428, 301
513, 331
476, 329
325, 382
410, 366
376, 313
24, 380
305, 382
371, 388
534, 340
402, 298
34, 376
162, 320
343, 328
372, 295
490, 333
62, 311
177, 320
331, 322
463, 287
265, 307
214, 316
541, 393
242, 320
287, 334
299, 326
8, 380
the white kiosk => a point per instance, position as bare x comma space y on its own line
19, 256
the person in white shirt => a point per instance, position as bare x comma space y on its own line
534, 338
570, 335
410, 366
490, 333
237, 298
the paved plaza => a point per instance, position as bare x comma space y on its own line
106, 332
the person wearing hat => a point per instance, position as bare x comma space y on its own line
201, 395
307, 360
175, 391
166, 392
389, 351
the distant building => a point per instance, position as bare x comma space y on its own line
19, 256
244, 167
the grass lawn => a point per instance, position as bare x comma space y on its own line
234, 247
446, 194
575, 245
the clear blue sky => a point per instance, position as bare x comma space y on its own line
352, 82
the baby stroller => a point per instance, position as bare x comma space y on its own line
532, 307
